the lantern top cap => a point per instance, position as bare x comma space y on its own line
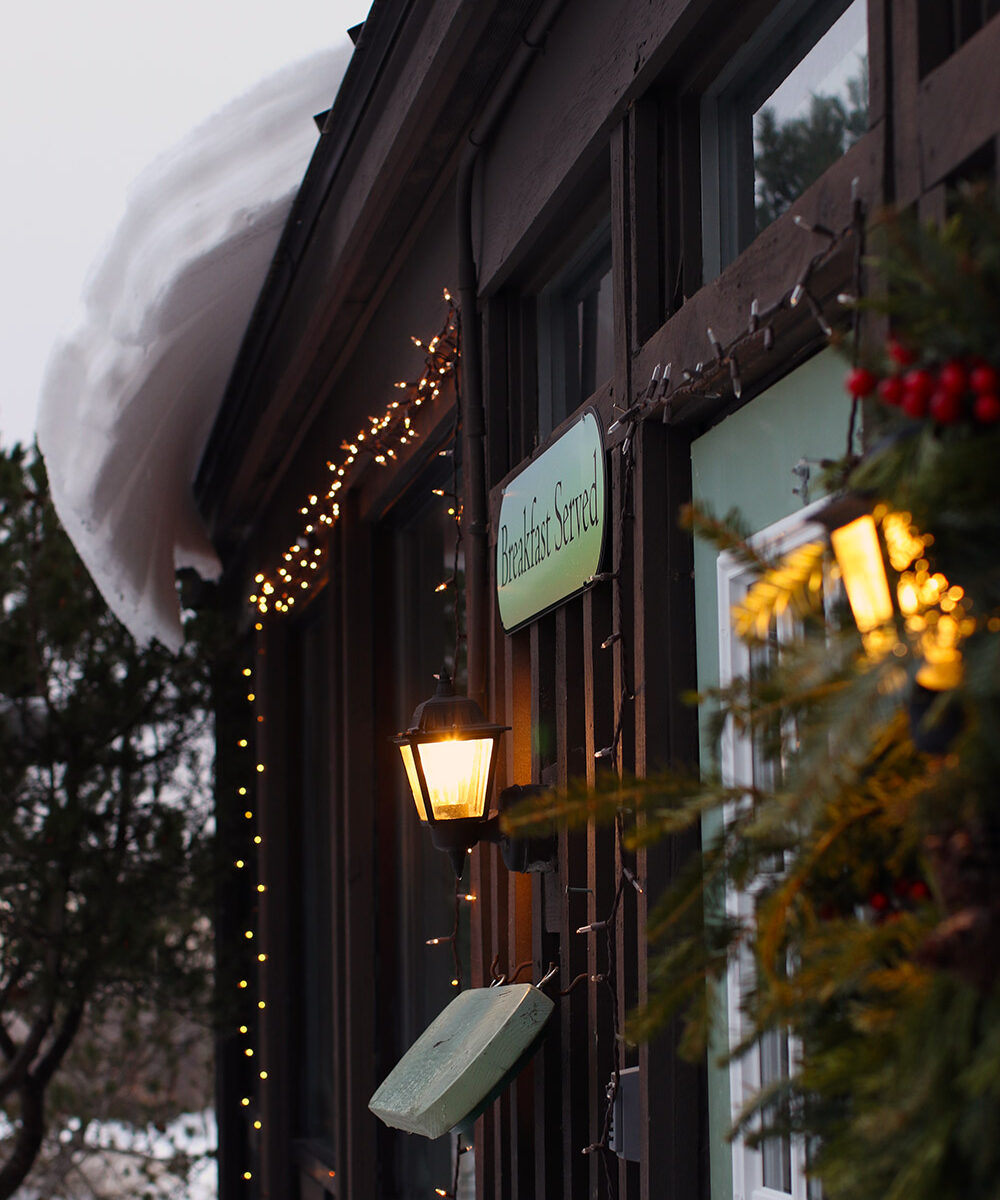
843, 508
445, 711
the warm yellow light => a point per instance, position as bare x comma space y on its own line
457, 773
256, 1124
411, 774
942, 666
859, 555
243, 1029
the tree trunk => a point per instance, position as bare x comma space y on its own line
28, 1140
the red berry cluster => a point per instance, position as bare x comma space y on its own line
886, 903
958, 390
905, 894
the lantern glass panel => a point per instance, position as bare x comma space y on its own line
406, 751
457, 772
860, 557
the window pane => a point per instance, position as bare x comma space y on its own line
817, 111
776, 1151
575, 331
595, 331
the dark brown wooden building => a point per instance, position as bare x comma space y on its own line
606, 188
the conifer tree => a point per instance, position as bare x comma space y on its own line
104, 831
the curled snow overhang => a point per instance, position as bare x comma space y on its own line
130, 397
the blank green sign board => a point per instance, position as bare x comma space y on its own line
461, 1058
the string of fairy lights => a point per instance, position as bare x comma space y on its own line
248, 862
379, 443
670, 390
612, 754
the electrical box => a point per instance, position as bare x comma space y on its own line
625, 1118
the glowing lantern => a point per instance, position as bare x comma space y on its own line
450, 753
933, 613
859, 556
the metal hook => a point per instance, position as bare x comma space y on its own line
553, 970
518, 969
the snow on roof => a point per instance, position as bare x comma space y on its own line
129, 398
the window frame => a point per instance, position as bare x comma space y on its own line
737, 763
786, 35
560, 391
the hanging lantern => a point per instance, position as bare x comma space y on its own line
854, 538
922, 602
450, 753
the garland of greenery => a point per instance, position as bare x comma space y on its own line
877, 943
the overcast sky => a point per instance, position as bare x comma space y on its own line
89, 94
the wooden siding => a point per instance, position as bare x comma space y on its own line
602, 104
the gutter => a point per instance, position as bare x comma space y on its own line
476, 499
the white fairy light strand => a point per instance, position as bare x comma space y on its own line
380, 444
669, 389
247, 797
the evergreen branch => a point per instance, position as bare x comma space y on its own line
795, 585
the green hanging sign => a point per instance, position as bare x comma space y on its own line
550, 535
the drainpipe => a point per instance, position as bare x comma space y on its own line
476, 500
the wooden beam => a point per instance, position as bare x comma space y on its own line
905, 57
358, 851
599, 59
767, 270
959, 105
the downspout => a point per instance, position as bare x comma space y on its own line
475, 521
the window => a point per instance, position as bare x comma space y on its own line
945, 25
575, 332
775, 1171
309, 717
784, 109
421, 624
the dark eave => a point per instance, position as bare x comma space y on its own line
413, 87
233, 425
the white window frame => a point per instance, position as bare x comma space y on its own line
734, 577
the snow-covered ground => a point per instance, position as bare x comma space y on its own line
130, 396
108, 1159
